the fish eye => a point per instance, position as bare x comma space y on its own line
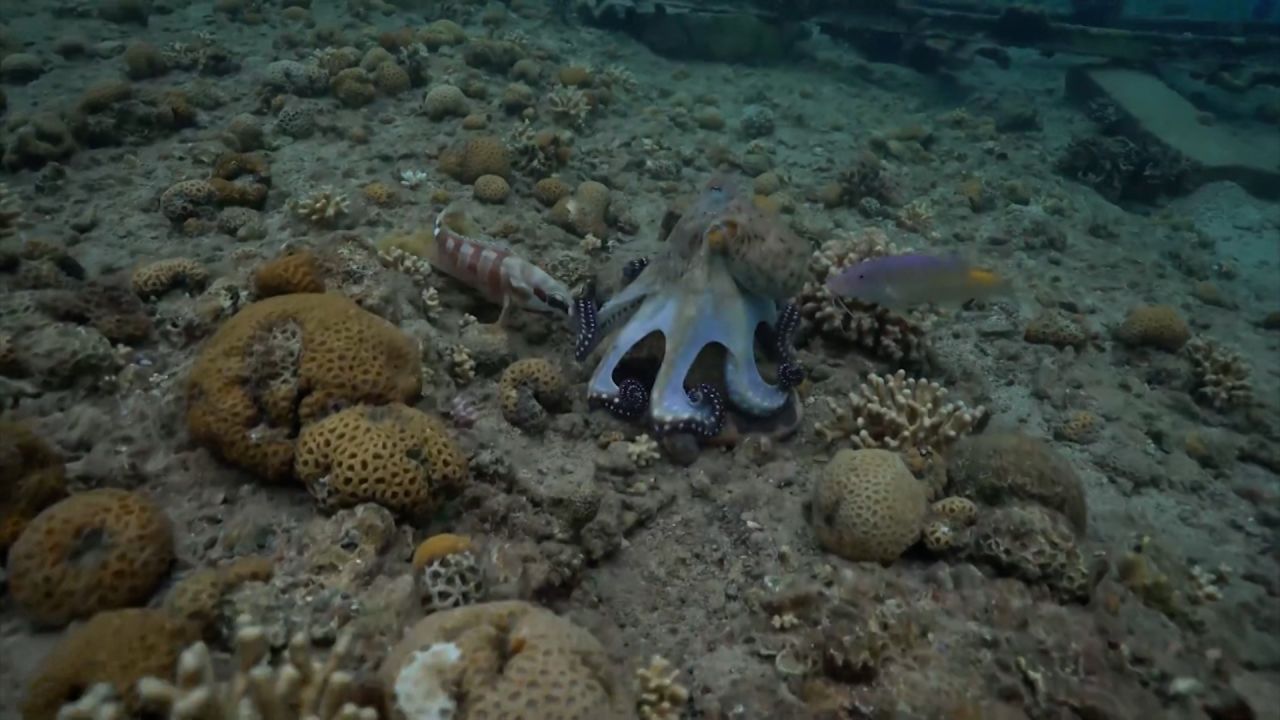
862, 276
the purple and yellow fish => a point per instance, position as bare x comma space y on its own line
903, 281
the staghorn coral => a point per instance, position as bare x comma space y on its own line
504, 659
287, 361
394, 455
32, 477
301, 686
899, 413
1221, 375
96, 550
528, 389
868, 506
539, 152
659, 696
159, 277
569, 106
325, 207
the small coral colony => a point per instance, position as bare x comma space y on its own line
540, 383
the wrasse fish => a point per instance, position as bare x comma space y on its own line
497, 273
903, 281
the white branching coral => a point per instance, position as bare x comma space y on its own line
300, 686
659, 696
643, 451
413, 178
895, 412
569, 106
1221, 375
324, 207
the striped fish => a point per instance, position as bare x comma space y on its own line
497, 273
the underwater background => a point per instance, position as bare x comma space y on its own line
640, 359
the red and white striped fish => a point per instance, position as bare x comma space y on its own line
497, 273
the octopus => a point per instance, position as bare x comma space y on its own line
725, 274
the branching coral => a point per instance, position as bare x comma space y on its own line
539, 152
660, 697
325, 207
569, 106
875, 329
301, 686
1221, 375
1121, 169
898, 413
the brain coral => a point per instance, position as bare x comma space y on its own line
504, 660
293, 272
1154, 325
868, 506
286, 361
94, 551
32, 477
119, 647
393, 455
527, 388
998, 468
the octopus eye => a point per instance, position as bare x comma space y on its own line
558, 303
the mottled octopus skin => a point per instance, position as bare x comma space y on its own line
689, 295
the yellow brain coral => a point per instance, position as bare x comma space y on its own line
868, 506
295, 272
157, 278
504, 660
483, 155
393, 455
1154, 325
528, 388
118, 647
32, 477
94, 551
287, 361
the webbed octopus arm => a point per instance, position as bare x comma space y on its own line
748, 390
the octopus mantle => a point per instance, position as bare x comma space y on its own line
727, 269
